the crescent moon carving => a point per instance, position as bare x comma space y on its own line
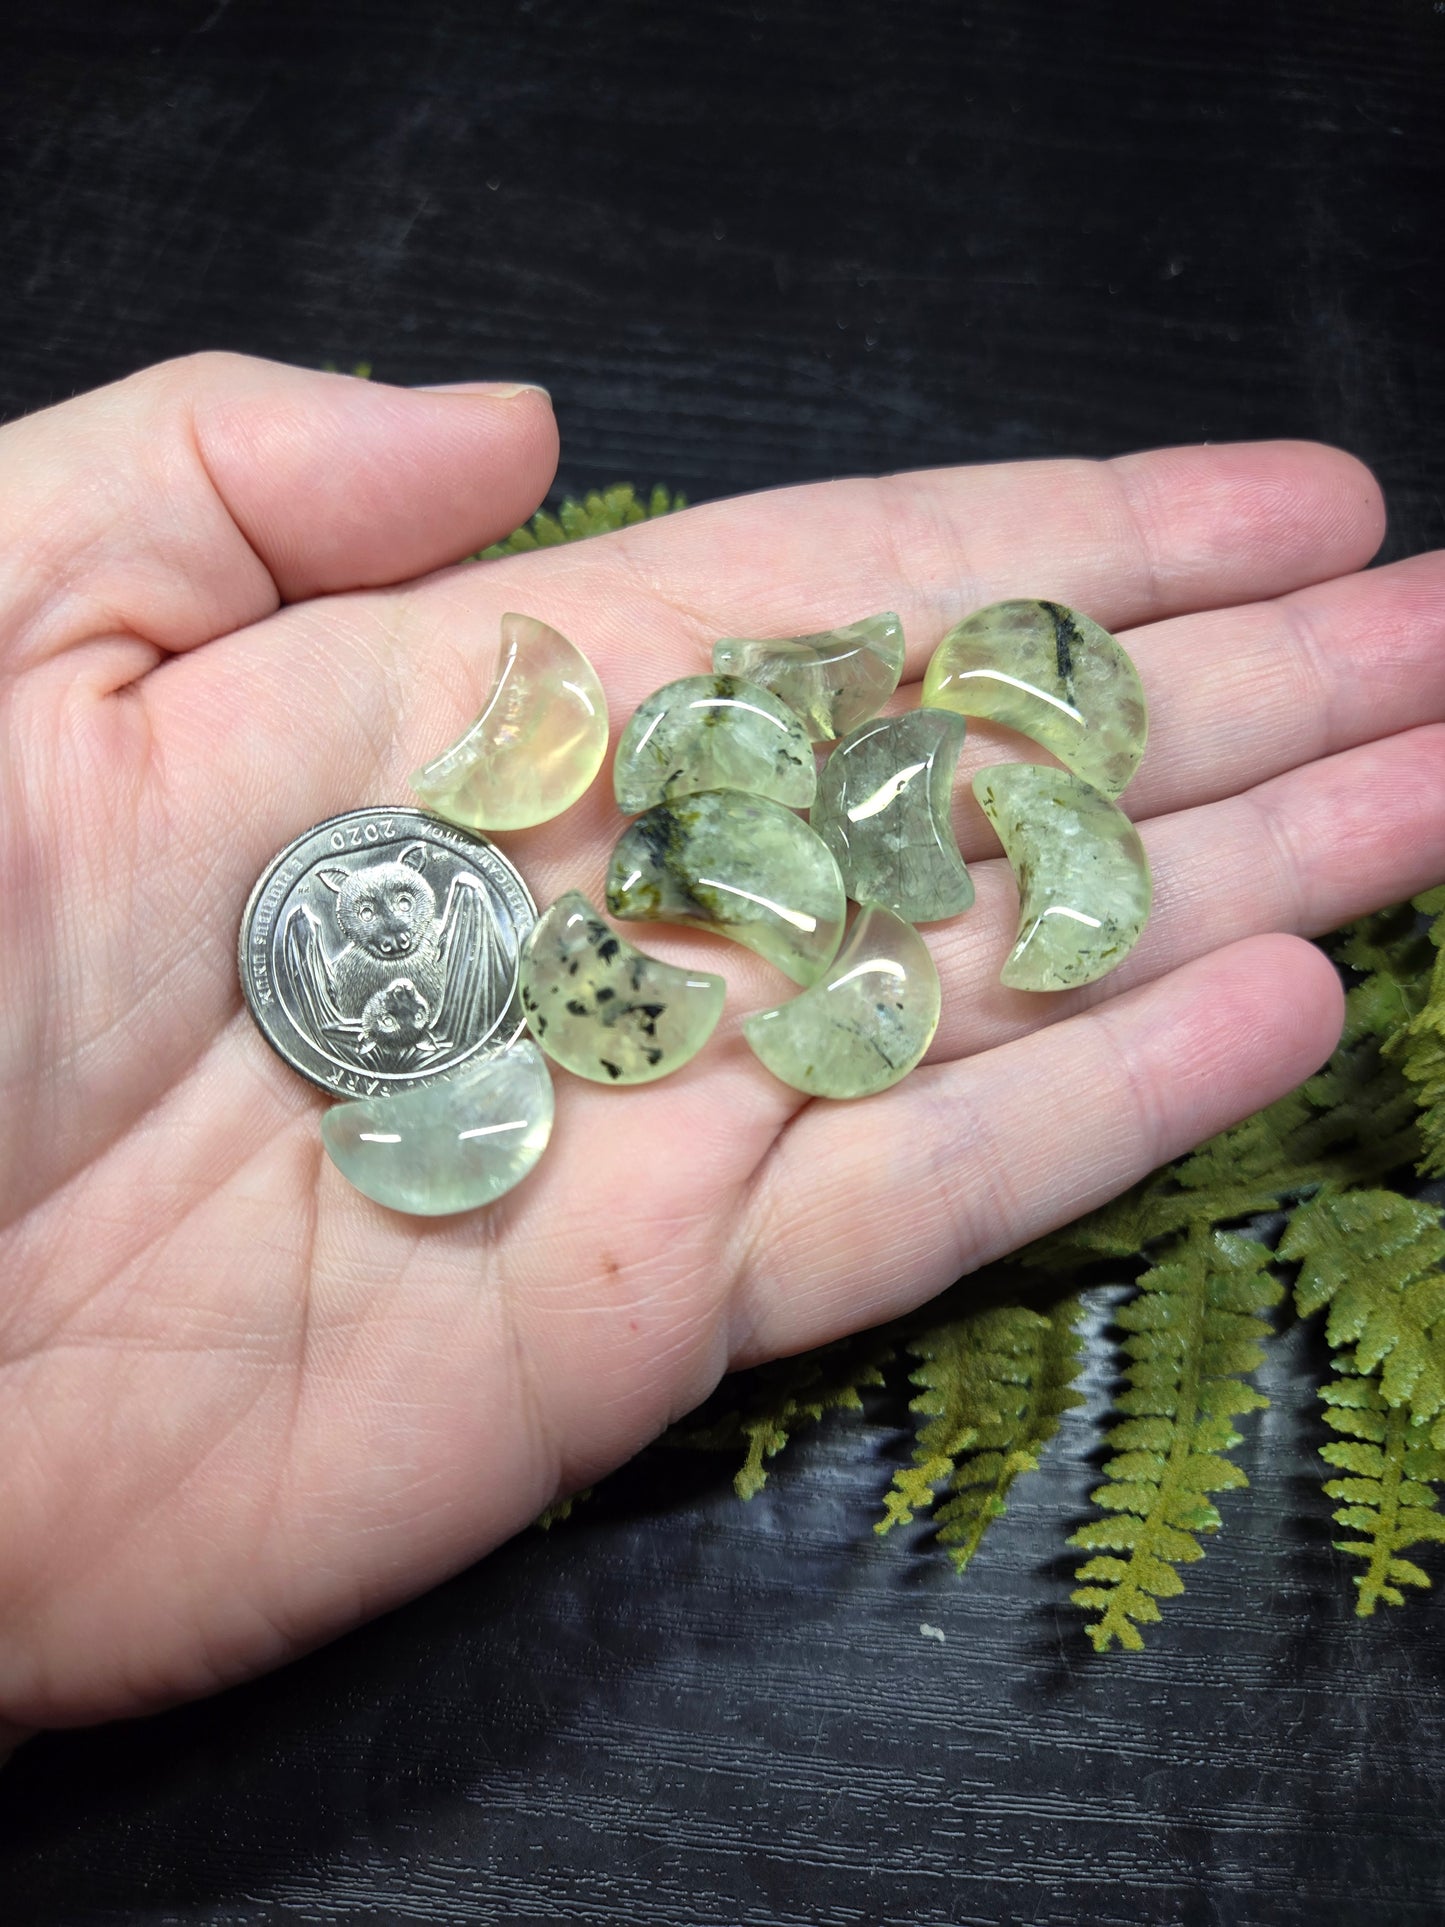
1083, 877
1055, 677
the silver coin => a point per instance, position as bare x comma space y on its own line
379, 951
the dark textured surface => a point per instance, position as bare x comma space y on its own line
751, 244
679, 1711
746, 245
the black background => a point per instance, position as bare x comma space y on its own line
745, 245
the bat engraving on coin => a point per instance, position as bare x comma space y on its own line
404, 983
392, 963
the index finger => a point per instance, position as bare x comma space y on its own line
1128, 541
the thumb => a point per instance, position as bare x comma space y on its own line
195, 497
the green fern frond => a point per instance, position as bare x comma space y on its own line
1353, 1123
1388, 1493
995, 1385
1363, 1123
1392, 957
1243, 1170
599, 512
561, 1510
784, 1397
1419, 1046
1119, 1229
1196, 1328
1374, 1258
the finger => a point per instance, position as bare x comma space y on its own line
1237, 696
1129, 541
1303, 853
195, 497
863, 1211
1240, 695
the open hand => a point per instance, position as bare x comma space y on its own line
241, 1406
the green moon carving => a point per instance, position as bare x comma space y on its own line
713, 733
1054, 676
740, 865
1083, 877
885, 810
834, 680
450, 1145
537, 744
605, 1010
865, 1024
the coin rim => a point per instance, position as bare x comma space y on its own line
399, 1085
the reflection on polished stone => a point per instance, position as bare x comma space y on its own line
739, 865
608, 1011
885, 810
834, 680
1054, 676
713, 733
866, 1022
537, 744
1083, 877
450, 1145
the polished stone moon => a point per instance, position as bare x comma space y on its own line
1083, 877
537, 744
885, 810
447, 1146
713, 733
867, 1021
739, 865
834, 680
605, 1010
1054, 676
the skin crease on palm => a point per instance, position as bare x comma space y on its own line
241, 1407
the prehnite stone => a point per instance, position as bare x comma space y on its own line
450, 1145
535, 747
713, 733
1083, 877
1054, 676
865, 1023
834, 681
605, 1010
739, 865
885, 810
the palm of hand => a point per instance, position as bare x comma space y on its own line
241, 1406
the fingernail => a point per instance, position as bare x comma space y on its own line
497, 390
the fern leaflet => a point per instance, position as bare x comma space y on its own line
1352, 1123
562, 1509
1374, 1258
1420, 1048
1196, 1327
994, 1386
600, 512
1388, 1491
785, 1396
1392, 955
